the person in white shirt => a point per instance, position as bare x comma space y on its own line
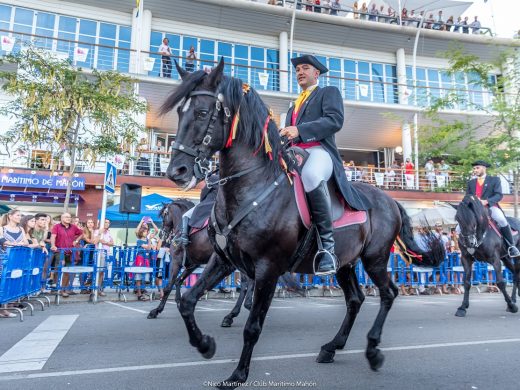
166, 53
475, 26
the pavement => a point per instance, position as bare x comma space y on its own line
111, 345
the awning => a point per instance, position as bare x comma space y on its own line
150, 207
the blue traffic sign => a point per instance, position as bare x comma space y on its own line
110, 178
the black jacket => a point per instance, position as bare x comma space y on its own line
207, 200
492, 191
319, 118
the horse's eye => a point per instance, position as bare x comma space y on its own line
201, 114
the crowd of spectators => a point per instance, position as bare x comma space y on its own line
360, 10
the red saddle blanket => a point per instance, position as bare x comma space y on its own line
194, 230
347, 218
494, 226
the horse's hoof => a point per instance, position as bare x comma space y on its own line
226, 322
460, 313
376, 360
325, 356
512, 308
207, 347
153, 314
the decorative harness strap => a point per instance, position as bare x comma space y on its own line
222, 234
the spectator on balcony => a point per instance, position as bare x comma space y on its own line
373, 13
143, 162
475, 26
166, 53
11, 234
317, 6
308, 6
335, 7
429, 169
382, 17
190, 60
449, 23
271, 2
457, 26
159, 150
439, 23
404, 17
391, 16
465, 26
429, 22
364, 11
355, 10
444, 170
412, 19
63, 236
389, 177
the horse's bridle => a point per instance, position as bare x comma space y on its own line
202, 155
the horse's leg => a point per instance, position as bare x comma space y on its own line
511, 266
467, 264
354, 298
180, 280
250, 283
244, 289
387, 291
501, 284
265, 286
215, 271
174, 270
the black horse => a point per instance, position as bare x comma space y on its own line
199, 252
261, 244
478, 240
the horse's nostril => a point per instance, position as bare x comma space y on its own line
182, 170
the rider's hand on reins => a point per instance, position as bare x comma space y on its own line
290, 131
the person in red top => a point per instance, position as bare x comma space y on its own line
408, 167
63, 236
489, 190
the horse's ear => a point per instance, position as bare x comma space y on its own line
216, 73
183, 73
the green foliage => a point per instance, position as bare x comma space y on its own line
58, 106
495, 138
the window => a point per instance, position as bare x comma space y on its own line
67, 32
225, 50
123, 53
391, 84
257, 64
87, 39
350, 75
377, 83
274, 65
107, 37
207, 53
188, 42
334, 74
5, 18
364, 86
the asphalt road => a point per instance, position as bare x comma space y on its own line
113, 346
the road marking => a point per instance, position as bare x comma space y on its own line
33, 351
228, 361
126, 307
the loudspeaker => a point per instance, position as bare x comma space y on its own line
130, 198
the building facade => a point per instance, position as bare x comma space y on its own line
371, 62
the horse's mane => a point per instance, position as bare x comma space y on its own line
253, 112
469, 208
253, 115
189, 82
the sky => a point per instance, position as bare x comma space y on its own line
502, 16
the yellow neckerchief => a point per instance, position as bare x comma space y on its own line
303, 96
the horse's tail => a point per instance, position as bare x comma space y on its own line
432, 256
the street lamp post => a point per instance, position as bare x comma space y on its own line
293, 19
415, 115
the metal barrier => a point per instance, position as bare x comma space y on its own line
20, 277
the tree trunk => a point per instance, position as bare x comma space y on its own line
515, 193
72, 168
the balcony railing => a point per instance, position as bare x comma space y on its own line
104, 57
413, 21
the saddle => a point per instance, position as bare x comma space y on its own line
493, 225
342, 214
194, 230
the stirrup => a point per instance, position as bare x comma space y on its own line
334, 263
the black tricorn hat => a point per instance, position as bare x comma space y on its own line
311, 60
481, 162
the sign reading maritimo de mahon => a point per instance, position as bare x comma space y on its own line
40, 181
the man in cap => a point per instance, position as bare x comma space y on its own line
311, 123
489, 190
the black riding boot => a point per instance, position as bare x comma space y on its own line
185, 231
508, 238
321, 211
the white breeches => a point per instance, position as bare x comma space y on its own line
317, 168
